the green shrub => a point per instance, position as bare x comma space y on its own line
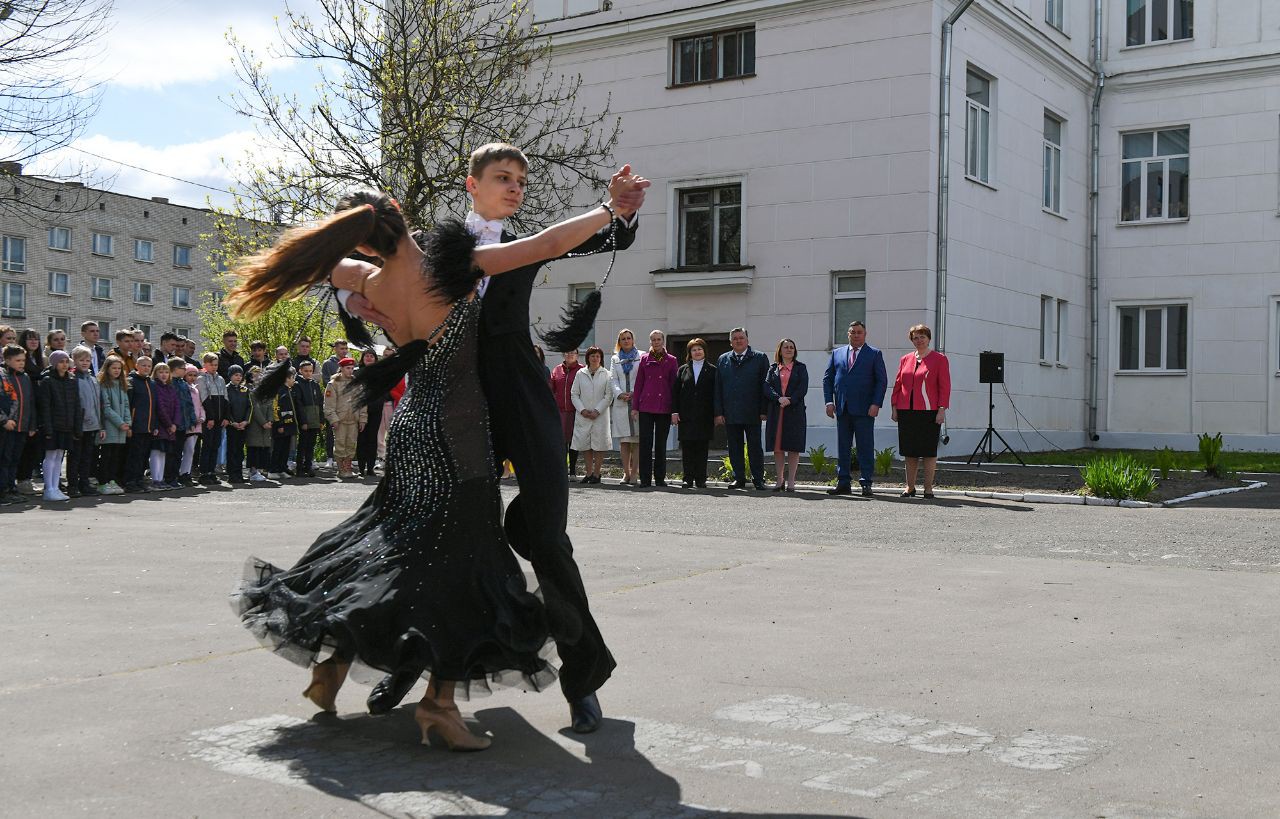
884, 461
1165, 461
726, 467
821, 461
1211, 454
1120, 477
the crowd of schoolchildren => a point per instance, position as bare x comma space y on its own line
134, 419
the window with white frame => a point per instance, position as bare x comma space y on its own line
1052, 193
185, 332
59, 323
1155, 178
1061, 356
99, 287
1153, 338
1275, 308
104, 244
14, 257
106, 333
1053, 13
142, 292
1159, 21
145, 329
578, 292
1048, 330
720, 55
710, 226
59, 283
144, 250
181, 256
182, 298
978, 93
13, 300
59, 238
848, 302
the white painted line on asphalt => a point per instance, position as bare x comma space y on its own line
1032, 750
1215, 492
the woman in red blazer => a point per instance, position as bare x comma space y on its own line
921, 394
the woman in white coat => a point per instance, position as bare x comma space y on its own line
622, 377
591, 395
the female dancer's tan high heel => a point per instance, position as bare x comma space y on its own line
447, 722
326, 678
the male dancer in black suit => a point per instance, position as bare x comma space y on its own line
525, 423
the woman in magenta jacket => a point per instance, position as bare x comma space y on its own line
921, 394
651, 402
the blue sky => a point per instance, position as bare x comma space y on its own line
167, 69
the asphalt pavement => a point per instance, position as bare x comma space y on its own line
779, 655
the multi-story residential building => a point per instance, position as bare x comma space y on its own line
119, 260
794, 146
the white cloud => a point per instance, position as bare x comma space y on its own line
198, 162
158, 43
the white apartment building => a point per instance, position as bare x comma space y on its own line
794, 148
84, 254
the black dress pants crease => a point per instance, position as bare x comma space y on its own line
80, 460
526, 430
737, 436
693, 455
235, 453
654, 428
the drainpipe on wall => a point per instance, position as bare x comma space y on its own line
944, 180
1095, 217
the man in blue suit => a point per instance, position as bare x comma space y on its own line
854, 387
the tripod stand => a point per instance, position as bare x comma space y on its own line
986, 446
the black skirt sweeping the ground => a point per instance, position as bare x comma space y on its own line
421, 578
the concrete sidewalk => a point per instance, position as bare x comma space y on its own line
758, 675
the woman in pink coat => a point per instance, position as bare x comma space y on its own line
921, 394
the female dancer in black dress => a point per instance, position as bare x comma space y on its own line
420, 579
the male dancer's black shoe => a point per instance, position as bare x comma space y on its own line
586, 714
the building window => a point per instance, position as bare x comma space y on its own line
978, 127
578, 292
1061, 357
142, 292
1153, 338
1156, 176
144, 250
13, 300
145, 329
720, 55
1048, 336
849, 302
59, 238
14, 258
182, 298
105, 332
1053, 13
104, 244
59, 323
711, 226
181, 256
59, 283
99, 287
1158, 21
185, 332
1052, 199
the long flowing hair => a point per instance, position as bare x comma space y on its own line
104, 373
304, 256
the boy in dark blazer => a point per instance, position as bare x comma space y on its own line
854, 386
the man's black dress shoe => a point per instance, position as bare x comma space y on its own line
866, 492
759, 486
840, 489
586, 714
738, 485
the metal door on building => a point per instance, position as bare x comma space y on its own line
717, 344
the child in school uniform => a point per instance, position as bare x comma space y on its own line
239, 417
309, 399
165, 440
284, 414
142, 406
190, 424
213, 399
83, 455
17, 420
60, 419
117, 426
258, 440
343, 416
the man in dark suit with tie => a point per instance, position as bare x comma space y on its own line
89, 335
525, 423
854, 387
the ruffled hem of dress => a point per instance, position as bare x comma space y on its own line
313, 643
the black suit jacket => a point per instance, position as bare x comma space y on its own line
696, 402
505, 307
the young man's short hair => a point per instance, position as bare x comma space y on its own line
123, 334
304, 338
207, 357
168, 337
13, 350
86, 325
257, 345
229, 334
81, 351
486, 155
338, 341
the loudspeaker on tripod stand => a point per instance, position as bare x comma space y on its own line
990, 367
991, 372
